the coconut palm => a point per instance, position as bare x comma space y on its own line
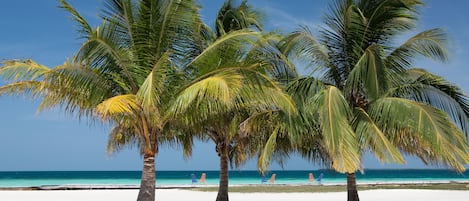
125, 73
235, 82
362, 94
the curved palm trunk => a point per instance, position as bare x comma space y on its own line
223, 186
352, 194
147, 184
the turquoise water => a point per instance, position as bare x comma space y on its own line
42, 178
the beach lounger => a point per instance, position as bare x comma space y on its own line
194, 180
320, 178
263, 179
272, 179
203, 179
311, 177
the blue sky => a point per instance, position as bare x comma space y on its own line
53, 140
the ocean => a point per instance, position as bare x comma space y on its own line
182, 178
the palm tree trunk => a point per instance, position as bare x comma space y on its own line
147, 184
223, 187
352, 194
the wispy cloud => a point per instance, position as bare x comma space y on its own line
280, 19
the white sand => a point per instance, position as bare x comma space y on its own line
183, 195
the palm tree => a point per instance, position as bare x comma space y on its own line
232, 83
125, 72
362, 94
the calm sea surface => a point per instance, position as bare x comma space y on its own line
41, 178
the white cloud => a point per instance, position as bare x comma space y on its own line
280, 19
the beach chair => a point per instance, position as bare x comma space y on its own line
311, 177
263, 179
203, 179
194, 180
272, 179
320, 178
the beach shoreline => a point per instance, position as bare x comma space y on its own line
180, 194
387, 185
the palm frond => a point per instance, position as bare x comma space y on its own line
220, 88
413, 126
153, 86
430, 44
16, 70
368, 74
302, 45
126, 105
83, 27
339, 136
74, 88
425, 87
166, 25
32, 88
231, 18
386, 18
227, 50
273, 62
305, 88
374, 139
121, 138
264, 159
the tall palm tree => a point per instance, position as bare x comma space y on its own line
234, 83
125, 72
362, 94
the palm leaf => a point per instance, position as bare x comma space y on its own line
301, 44
15, 70
83, 27
33, 88
339, 137
444, 143
153, 86
425, 87
430, 44
368, 74
119, 105
220, 88
374, 139
226, 50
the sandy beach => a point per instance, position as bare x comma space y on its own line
181, 195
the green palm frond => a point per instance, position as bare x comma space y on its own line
222, 87
83, 27
273, 62
227, 50
425, 87
339, 136
430, 44
303, 45
153, 86
304, 88
231, 18
121, 138
122, 14
384, 19
166, 25
443, 141
103, 52
75, 87
368, 73
374, 139
265, 156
